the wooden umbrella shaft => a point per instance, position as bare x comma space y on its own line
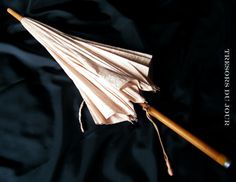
14, 14
218, 157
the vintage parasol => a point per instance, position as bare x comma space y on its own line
109, 79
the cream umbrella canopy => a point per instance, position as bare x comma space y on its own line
109, 79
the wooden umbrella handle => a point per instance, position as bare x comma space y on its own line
216, 156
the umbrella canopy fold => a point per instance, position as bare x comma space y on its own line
108, 78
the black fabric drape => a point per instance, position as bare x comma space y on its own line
40, 137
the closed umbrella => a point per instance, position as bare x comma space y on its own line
109, 79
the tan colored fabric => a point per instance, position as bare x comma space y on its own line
108, 78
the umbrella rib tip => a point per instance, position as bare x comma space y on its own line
14, 14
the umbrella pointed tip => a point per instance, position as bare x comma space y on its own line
14, 14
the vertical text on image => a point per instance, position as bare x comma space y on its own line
227, 87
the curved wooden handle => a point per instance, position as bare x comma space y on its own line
216, 156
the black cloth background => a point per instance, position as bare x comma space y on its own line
40, 137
